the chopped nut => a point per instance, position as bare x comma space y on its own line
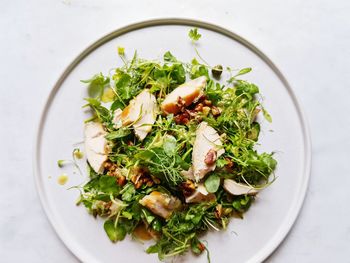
230, 163
210, 158
181, 103
140, 176
215, 111
188, 188
205, 110
207, 102
121, 180
199, 107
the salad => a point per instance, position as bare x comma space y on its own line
170, 150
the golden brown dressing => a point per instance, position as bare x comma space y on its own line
62, 179
141, 232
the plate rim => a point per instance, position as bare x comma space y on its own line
282, 233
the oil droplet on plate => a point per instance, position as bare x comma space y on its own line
62, 179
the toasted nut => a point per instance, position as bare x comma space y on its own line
121, 180
230, 163
210, 158
199, 107
205, 110
215, 111
207, 102
188, 187
181, 103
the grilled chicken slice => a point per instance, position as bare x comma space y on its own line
235, 188
117, 118
141, 112
206, 149
95, 145
188, 174
161, 204
200, 195
188, 92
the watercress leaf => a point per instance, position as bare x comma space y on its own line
110, 230
253, 133
127, 215
148, 216
157, 225
144, 155
246, 88
96, 85
267, 116
120, 133
221, 162
243, 71
178, 74
198, 71
153, 249
169, 145
168, 57
128, 193
123, 86
115, 233
212, 183
242, 203
121, 51
108, 95
117, 104
108, 184
194, 35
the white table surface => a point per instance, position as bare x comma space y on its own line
308, 40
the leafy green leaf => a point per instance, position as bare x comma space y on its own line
120, 133
194, 35
123, 86
148, 216
121, 51
169, 145
60, 163
115, 233
267, 116
128, 192
212, 183
242, 203
96, 85
102, 113
157, 225
108, 184
168, 57
253, 134
243, 71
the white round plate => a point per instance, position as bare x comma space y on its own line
61, 126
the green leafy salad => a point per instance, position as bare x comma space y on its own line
171, 150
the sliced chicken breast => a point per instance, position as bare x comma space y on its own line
206, 149
200, 195
189, 92
141, 112
95, 145
235, 188
160, 203
117, 118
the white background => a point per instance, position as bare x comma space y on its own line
308, 40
